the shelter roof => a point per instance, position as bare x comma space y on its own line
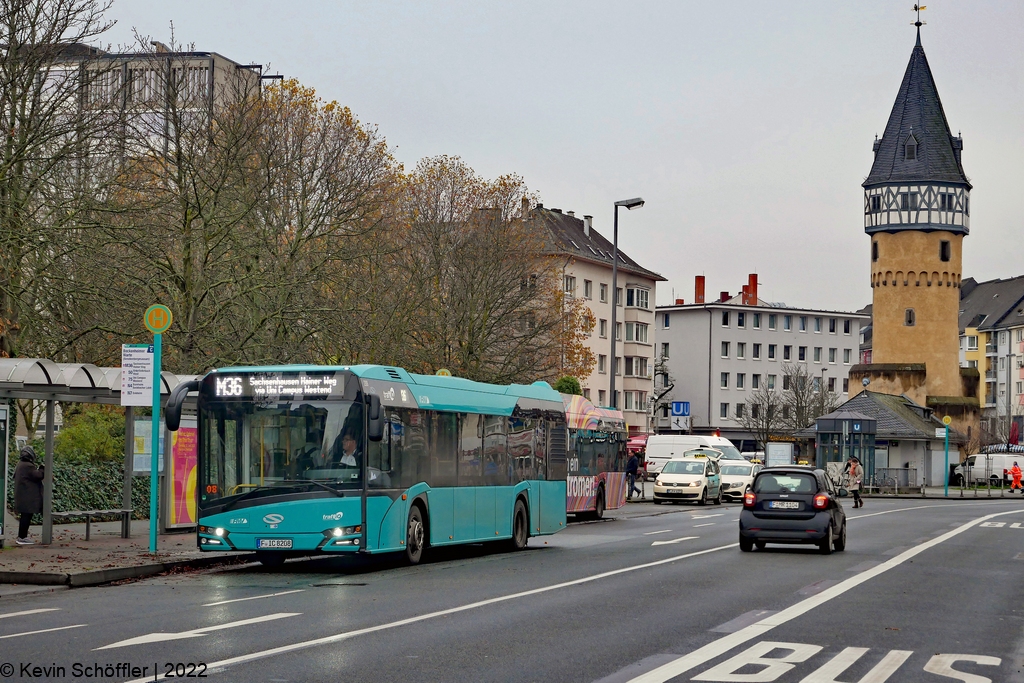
42, 379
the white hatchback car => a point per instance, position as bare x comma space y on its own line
736, 477
697, 479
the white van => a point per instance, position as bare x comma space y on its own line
663, 447
986, 467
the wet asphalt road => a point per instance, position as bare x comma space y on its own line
924, 589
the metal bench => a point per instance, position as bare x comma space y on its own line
125, 514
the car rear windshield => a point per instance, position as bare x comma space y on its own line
741, 470
684, 467
788, 482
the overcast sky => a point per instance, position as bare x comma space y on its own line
747, 126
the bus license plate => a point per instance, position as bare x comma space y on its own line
784, 504
273, 543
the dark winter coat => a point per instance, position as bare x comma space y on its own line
28, 486
632, 465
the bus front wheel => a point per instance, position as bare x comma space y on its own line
520, 526
599, 505
415, 536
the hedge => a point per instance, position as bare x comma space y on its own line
95, 486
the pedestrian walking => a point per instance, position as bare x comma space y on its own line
854, 474
1016, 474
28, 493
632, 465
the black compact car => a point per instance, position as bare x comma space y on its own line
792, 504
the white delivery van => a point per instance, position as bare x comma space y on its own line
986, 467
664, 447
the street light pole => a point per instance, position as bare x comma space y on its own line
630, 204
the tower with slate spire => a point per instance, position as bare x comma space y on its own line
917, 213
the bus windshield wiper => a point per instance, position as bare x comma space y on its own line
252, 492
314, 482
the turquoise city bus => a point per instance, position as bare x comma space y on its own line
303, 459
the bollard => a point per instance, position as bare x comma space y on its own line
1001, 482
922, 491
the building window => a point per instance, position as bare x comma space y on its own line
570, 285
725, 349
602, 328
618, 296
876, 203
618, 331
664, 349
802, 353
910, 151
755, 411
785, 412
817, 325
741, 380
629, 401
637, 332
846, 385
771, 381
755, 381
787, 322
846, 327
602, 397
604, 294
787, 352
741, 320
757, 321
817, 354
741, 350
946, 202
725, 318
803, 323
944, 250
723, 411
832, 356
771, 351
602, 363
908, 317
771, 321
588, 289
757, 352
618, 365
725, 380
967, 206
1020, 387
640, 298
831, 325
739, 411
846, 356
909, 201
832, 384
665, 323
785, 382
972, 343
586, 394
874, 251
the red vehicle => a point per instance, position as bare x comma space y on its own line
597, 458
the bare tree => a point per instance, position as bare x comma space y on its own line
662, 394
763, 414
804, 397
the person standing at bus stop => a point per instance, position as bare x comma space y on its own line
28, 493
854, 475
632, 465
1016, 474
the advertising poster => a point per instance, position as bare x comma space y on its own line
144, 446
182, 475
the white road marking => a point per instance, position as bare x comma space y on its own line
255, 597
717, 648
28, 611
338, 637
942, 665
45, 630
195, 633
717, 514
696, 526
879, 673
675, 540
663, 531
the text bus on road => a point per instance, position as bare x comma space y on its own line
302, 459
597, 458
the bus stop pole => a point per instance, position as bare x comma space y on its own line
947, 462
129, 466
154, 469
48, 477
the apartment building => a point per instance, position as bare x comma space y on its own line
716, 353
587, 273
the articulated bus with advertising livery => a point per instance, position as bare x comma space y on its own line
303, 459
597, 458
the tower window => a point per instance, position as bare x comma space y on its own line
876, 204
909, 201
944, 250
909, 318
874, 251
946, 202
911, 149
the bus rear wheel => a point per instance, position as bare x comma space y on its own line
599, 505
415, 536
520, 527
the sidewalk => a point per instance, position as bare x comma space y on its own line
71, 560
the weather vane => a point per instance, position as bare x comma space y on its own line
918, 8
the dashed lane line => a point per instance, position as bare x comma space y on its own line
254, 597
45, 630
28, 612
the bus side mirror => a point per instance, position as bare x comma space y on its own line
375, 425
172, 411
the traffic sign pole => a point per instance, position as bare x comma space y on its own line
157, 319
946, 420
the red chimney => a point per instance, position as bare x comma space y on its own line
752, 288
724, 296
745, 300
699, 286
679, 302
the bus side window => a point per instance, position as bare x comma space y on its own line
443, 449
472, 464
556, 436
540, 450
495, 450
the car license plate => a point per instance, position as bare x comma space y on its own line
784, 505
273, 543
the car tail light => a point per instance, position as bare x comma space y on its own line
820, 501
749, 499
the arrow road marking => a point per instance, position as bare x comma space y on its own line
663, 531
255, 597
196, 633
45, 630
27, 612
675, 540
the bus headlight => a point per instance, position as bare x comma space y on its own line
218, 531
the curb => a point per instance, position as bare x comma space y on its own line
102, 576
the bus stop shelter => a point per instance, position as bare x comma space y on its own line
41, 379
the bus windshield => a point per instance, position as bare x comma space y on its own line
249, 449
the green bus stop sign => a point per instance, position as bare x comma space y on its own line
158, 318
